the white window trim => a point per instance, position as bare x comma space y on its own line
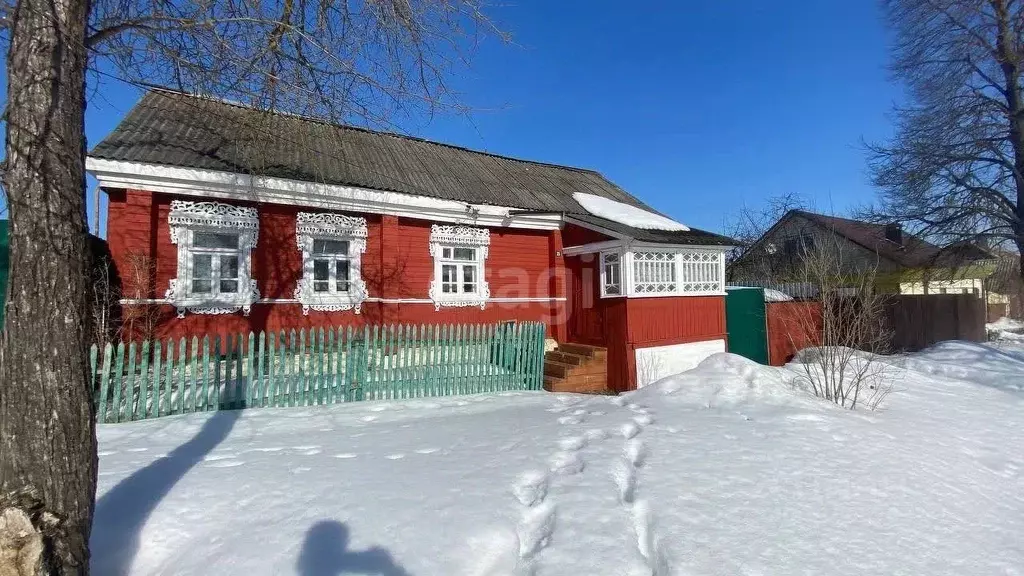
310, 226
187, 218
459, 237
628, 273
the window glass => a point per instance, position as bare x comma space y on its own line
228, 274
339, 247
341, 275
449, 281
465, 254
321, 275
214, 240
469, 279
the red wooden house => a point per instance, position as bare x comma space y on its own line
226, 218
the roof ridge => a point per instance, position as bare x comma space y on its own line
325, 122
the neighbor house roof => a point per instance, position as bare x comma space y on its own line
183, 130
912, 252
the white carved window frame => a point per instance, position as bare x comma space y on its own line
187, 218
310, 226
453, 237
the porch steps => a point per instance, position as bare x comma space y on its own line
576, 368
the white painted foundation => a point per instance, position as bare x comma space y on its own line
657, 362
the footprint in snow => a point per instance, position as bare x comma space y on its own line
636, 452
566, 463
643, 420
572, 443
535, 530
595, 434
629, 430
531, 487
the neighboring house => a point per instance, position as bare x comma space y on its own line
224, 218
902, 263
1005, 288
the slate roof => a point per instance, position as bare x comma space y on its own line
914, 252
177, 129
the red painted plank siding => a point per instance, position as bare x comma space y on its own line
573, 235
792, 326
396, 265
675, 320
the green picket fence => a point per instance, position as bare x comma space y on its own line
319, 366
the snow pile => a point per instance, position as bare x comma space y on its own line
626, 214
1006, 329
727, 469
772, 295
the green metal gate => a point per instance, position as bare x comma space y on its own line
745, 322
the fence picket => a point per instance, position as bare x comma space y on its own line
260, 388
238, 384
139, 406
218, 381
168, 380
128, 386
272, 369
101, 406
250, 375
330, 374
154, 410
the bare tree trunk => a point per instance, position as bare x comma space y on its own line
47, 435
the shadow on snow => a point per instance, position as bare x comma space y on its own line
325, 553
122, 512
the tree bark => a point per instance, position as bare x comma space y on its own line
47, 431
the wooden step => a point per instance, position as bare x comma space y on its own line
583, 350
577, 384
563, 370
565, 357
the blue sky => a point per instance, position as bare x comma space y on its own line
698, 107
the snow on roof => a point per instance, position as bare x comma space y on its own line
626, 214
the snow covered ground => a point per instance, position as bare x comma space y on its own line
725, 469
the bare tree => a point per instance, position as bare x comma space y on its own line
749, 224
851, 323
364, 61
955, 168
139, 321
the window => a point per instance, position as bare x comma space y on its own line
332, 246
681, 271
459, 253
214, 244
611, 274
654, 272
